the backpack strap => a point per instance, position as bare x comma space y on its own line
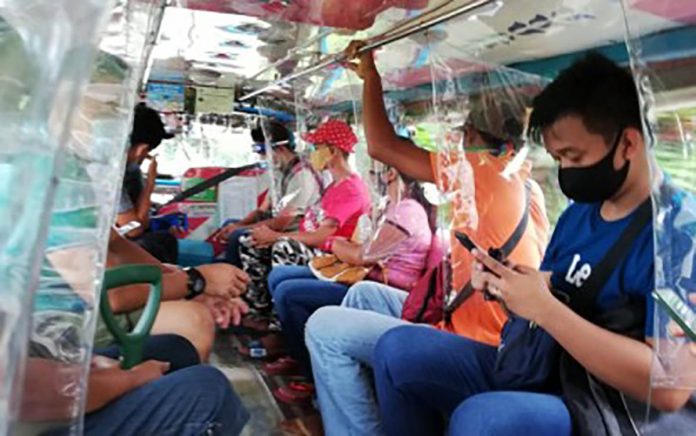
507, 248
588, 292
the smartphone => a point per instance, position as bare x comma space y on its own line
678, 310
125, 229
470, 245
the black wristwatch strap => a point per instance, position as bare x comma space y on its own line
196, 283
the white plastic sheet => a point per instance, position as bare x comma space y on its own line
88, 184
662, 61
46, 49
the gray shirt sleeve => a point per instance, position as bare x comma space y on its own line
124, 204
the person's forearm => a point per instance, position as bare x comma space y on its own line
129, 298
349, 252
619, 361
312, 239
251, 218
107, 385
279, 223
143, 207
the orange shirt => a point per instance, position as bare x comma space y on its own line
488, 205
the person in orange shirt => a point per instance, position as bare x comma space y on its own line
490, 192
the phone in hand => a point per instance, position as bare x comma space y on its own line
470, 245
127, 228
678, 310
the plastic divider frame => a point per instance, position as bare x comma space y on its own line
132, 343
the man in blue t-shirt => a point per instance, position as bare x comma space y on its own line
590, 122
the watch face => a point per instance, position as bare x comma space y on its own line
198, 286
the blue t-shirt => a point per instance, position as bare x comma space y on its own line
580, 241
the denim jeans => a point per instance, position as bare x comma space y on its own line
232, 250
297, 294
193, 401
422, 375
341, 342
511, 414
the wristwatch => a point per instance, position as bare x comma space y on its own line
196, 283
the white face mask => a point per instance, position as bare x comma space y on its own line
327, 178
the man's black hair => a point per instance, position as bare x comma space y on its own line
595, 89
278, 132
148, 127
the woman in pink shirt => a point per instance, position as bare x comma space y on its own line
335, 215
399, 247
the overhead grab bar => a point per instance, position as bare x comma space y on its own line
380, 41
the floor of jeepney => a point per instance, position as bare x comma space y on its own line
254, 388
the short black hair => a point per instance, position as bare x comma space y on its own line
148, 127
595, 89
278, 133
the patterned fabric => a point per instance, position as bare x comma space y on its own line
258, 262
333, 132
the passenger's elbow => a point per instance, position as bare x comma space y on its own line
670, 400
373, 151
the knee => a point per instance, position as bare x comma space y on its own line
395, 354
276, 277
202, 326
355, 297
472, 417
477, 415
325, 324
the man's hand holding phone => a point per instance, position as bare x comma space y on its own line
524, 290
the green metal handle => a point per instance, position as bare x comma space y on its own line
132, 343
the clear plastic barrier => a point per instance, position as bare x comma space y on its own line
663, 60
45, 50
88, 182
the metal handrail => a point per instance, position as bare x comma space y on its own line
378, 42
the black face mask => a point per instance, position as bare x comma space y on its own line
594, 183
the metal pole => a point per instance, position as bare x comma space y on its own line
150, 46
379, 42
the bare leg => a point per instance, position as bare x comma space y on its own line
189, 319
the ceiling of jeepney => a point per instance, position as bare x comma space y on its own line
255, 41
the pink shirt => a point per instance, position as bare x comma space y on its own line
342, 202
406, 264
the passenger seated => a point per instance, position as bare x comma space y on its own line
335, 215
341, 339
299, 188
590, 122
134, 204
154, 397
397, 256
194, 300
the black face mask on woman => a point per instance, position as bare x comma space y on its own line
597, 182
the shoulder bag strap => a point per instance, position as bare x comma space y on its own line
507, 248
594, 284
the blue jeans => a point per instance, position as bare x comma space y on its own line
420, 384
341, 342
511, 413
232, 250
297, 294
193, 401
